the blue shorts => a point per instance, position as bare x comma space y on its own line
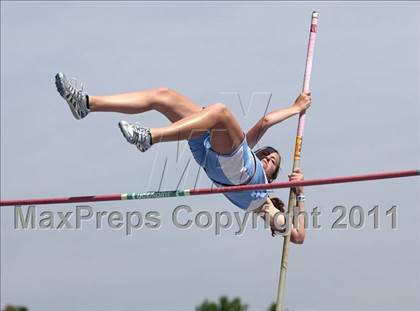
233, 169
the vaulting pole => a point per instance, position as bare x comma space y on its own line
296, 162
204, 191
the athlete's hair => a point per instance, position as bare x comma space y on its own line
264, 151
279, 204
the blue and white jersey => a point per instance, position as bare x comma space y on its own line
233, 169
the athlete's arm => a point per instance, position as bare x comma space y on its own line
302, 102
277, 219
297, 234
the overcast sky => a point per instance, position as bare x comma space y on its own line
364, 118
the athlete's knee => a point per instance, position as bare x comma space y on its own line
165, 95
164, 91
220, 108
221, 112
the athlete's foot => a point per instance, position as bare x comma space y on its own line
136, 135
73, 95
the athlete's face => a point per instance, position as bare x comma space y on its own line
270, 161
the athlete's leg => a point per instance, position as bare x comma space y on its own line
226, 133
172, 104
168, 102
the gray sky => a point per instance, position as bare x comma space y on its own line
364, 118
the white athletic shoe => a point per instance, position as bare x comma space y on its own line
136, 135
73, 95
